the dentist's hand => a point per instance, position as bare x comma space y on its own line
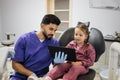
60, 57
32, 77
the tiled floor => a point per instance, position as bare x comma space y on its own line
97, 77
98, 68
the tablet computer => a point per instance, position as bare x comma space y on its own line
71, 55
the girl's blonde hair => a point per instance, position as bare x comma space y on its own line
84, 28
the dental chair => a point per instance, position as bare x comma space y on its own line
3, 62
5, 53
95, 38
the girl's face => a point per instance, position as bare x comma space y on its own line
80, 36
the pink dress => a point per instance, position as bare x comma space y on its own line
85, 54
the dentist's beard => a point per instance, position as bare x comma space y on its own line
46, 37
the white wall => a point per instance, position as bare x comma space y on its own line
0, 26
0, 23
104, 19
20, 16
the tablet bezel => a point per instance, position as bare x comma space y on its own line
71, 55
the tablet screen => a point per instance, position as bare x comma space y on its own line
71, 55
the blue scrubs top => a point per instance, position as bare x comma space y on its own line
33, 54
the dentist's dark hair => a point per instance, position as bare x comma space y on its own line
50, 18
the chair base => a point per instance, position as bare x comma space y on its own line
89, 76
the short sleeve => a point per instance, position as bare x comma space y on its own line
19, 50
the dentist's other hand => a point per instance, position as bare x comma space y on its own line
33, 77
60, 57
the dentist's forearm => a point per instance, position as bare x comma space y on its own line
20, 68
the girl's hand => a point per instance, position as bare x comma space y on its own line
76, 63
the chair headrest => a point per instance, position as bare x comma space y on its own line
66, 37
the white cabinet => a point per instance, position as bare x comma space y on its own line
62, 9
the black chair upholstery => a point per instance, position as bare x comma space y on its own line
96, 39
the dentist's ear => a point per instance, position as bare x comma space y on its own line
42, 26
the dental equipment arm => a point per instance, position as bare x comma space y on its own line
3, 59
113, 60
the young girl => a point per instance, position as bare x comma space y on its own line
85, 54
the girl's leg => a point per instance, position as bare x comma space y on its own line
58, 70
74, 71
